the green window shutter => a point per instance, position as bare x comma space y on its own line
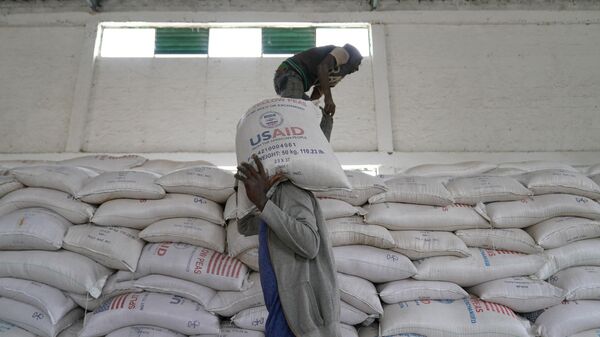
287, 40
181, 41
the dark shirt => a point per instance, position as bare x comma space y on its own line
306, 64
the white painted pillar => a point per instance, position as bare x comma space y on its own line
385, 141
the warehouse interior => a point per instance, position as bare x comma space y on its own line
460, 189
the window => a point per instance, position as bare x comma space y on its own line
220, 41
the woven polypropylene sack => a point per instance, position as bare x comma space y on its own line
68, 179
560, 181
363, 185
206, 181
537, 165
32, 228
105, 162
468, 168
414, 190
579, 283
229, 303
422, 244
11, 330
197, 232
30, 318
348, 330
568, 318
373, 264
9, 184
513, 239
144, 331
580, 253
252, 318
472, 190
174, 286
238, 243
121, 185
411, 290
561, 231
167, 311
588, 333
334, 208
359, 293
353, 231
164, 167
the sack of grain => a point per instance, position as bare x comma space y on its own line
174, 286
250, 258
60, 202
68, 179
595, 178
452, 318
286, 136
230, 210
114, 247
537, 165
348, 330
61, 269
238, 243
410, 290
9, 184
414, 190
352, 316
579, 283
580, 253
230, 330
144, 331
593, 170
568, 318
462, 169
505, 171
252, 318
195, 264
363, 185
206, 181
105, 163
560, 181
11, 330
472, 190
32, 228
73, 330
373, 264
334, 208
483, 265
422, 244
32, 319
533, 210
166, 311
369, 331
164, 167
521, 294
561, 231
197, 232
229, 303
588, 333
121, 185
359, 293
353, 231
140, 214
118, 283
398, 217
513, 239
50, 301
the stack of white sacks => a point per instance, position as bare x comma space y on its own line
141, 247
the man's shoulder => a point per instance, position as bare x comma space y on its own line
287, 189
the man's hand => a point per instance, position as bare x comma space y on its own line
329, 106
256, 181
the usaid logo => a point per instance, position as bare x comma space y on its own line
270, 119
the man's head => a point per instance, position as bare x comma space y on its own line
355, 58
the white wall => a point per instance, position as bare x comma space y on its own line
459, 81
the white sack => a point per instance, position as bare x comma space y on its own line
167, 311
348, 330
209, 182
334, 208
121, 185
237, 243
197, 232
118, 283
252, 318
106, 163
472, 190
32, 228
373, 264
396, 216
483, 265
141, 213
8, 184
521, 294
60, 202
560, 181
229, 303
61, 269
230, 330
422, 244
561, 231
414, 190
588, 333
353, 231
579, 283
144, 331
195, 264
50, 301
410, 290
351, 315
568, 318
593, 170
163, 166
174, 286
359, 293
11, 330
527, 212
230, 210
73, 330
32, 319
68, 179
537, 165
11, 164
250, 258
363, 185
514, 239
452, 318
580, 253
369, 331
286, 136
468, 168
114, 247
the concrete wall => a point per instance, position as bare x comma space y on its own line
459, 81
